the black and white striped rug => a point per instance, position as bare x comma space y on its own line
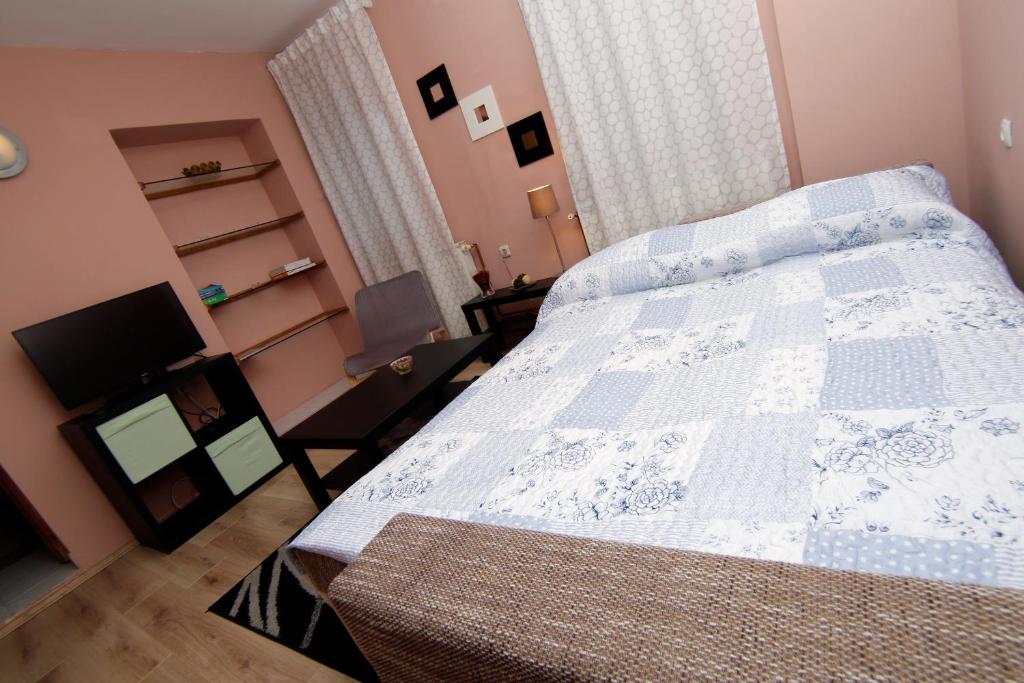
272, 601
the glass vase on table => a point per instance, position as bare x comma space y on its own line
483, 280
481, 277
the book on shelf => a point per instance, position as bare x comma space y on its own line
290, 268
210, 291
215, 299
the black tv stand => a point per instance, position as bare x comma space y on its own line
149, 377
146, 503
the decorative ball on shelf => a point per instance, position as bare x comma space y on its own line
201, 168
522, 281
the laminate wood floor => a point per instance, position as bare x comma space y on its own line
144, 617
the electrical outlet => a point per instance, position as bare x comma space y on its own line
1006, 133
504, 251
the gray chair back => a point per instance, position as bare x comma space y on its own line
397, 310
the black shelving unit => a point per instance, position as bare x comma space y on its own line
214, 497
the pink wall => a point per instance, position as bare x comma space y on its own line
76, 230
780, 83
993, 68
480, 185
874, 83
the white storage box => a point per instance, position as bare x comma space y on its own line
147, 437
244, 454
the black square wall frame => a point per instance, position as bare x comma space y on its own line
437, 92
530, 139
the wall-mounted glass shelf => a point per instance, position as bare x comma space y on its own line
263, 285
233, 235
285, 335
168, 187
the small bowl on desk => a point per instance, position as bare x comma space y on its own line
403, 365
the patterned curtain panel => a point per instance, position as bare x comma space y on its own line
664, 108
344, 100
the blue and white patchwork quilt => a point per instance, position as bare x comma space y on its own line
831, 377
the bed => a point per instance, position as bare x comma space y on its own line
831, 377
829, 380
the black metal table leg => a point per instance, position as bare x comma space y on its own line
491, 355
309, 476
370, 449
471, 320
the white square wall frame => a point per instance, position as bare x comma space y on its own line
481, 113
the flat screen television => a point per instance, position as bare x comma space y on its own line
94, 351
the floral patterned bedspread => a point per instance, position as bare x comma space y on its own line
832, 377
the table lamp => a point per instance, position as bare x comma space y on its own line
543, 203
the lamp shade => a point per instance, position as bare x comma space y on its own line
543, 202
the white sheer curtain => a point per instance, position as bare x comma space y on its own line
664, 108
338, 86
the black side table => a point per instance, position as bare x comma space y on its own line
506, 295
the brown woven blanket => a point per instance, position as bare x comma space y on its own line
317, 569
433, 599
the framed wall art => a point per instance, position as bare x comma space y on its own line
481, 113
437, 92
530, 139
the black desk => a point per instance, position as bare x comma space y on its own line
506, 295
364, 413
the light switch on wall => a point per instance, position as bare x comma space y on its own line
1006, 133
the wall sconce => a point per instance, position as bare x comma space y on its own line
13, 157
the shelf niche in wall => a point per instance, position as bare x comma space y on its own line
246, 221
